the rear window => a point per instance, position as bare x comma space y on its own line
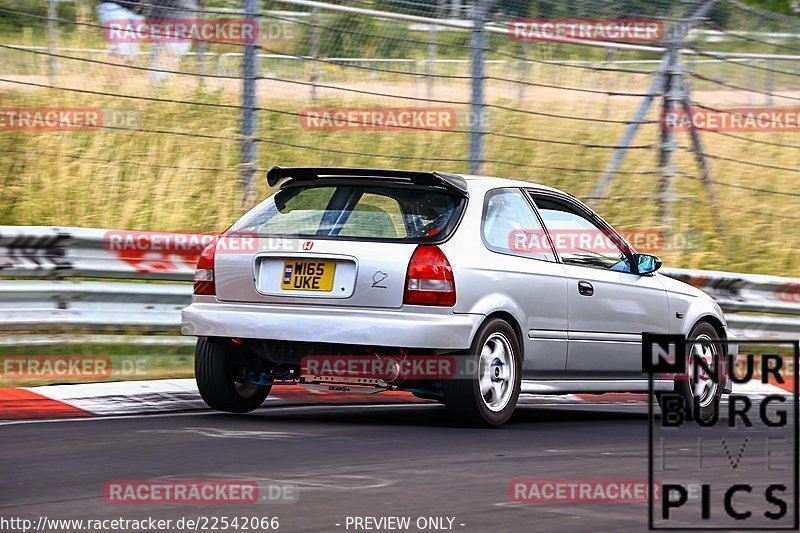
355, 212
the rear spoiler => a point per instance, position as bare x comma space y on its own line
451, 182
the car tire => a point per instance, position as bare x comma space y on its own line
700, 343
216, 365
485, 391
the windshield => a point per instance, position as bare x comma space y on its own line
354, 211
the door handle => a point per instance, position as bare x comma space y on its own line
585, 288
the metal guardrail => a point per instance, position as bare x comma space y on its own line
44, 305
756, 306
64, 252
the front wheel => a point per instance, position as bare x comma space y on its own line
701, 396
485, 391
221, 370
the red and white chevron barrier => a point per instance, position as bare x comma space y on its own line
174, 395
154, 396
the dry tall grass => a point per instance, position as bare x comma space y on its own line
117, 179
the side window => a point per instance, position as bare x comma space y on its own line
577, 239
510, 226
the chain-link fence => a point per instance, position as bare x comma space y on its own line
196, 100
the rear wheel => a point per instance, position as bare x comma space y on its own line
221, 370
486, 390
704, 391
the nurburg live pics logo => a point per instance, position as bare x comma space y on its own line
747, 461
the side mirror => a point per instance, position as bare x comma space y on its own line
646, 264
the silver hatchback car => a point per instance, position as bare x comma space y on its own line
518, 287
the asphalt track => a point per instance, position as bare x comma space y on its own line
396, 460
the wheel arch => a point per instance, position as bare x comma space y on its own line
715, 322
511, 321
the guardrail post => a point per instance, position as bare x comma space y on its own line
252, 9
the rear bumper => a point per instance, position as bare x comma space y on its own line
401, 328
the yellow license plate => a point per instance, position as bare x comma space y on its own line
305, 275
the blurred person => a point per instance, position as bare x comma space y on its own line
167, 52
124, 13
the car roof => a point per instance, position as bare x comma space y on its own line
491, 182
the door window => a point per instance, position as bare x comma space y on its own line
578, 239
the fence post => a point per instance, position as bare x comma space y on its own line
522, 74
52, 31
478, 47
314, 51
202, 48
631, 128
252, 9
672, 100
429, 62
770, 81
667, 81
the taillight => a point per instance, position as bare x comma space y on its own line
204, 275
430, 278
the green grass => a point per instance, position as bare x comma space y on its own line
77, 187
124, 362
